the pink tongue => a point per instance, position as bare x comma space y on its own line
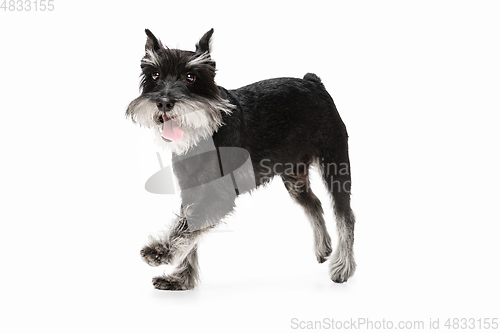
171, 130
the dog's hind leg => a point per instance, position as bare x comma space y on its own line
336, 172
298, 187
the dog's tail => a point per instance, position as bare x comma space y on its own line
314, 78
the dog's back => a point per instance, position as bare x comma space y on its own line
283, 120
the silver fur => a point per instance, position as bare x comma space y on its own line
298, 187
198, 119
177, 247
342, 263
199, 60
151, 58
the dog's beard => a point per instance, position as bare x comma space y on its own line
197, 119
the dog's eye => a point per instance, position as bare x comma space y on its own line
190, 77
155, 76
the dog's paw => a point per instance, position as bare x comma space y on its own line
342, 268
324, 250
169, 283
155, 254
322, 257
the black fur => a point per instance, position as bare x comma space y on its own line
282, 125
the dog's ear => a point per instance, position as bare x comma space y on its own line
204, 43
152, 43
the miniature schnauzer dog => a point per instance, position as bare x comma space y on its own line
228, 142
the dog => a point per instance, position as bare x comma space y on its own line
228, 142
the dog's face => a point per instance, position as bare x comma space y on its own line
179, 98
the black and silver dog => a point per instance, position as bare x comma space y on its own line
227, 142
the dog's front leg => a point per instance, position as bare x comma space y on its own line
173, 246
203, 207
177, 247
185, 276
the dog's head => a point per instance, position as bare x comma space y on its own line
179, 98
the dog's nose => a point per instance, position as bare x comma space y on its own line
165, 104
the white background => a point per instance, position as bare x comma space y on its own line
416, 83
